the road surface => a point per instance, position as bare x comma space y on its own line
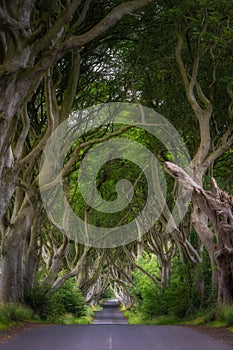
110, 314
112, 334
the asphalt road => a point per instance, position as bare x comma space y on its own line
110, 314
110, 336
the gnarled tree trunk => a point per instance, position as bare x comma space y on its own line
12, 259
218, 206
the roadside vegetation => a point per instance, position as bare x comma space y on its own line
42, 305
218, 316
11, 314
181, 301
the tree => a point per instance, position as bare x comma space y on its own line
218, 206
71, 58
32, 46
200, 49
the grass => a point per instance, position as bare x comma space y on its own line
11, 314
138, 318
71, 319
221, 316
225, 315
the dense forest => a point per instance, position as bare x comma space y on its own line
116, 133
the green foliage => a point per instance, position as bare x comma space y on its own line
138, 318
11, 313
225, 314
107, 294
68, 299
69, 318
208, 315
203, 273
150, 298
54, 305
38, 299
17, 312
180, 298
216, 315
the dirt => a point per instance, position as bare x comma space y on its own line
13, 331
222, 334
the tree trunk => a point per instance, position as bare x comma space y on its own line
12, 259
11, 286
32, 253
218, 206
200, 224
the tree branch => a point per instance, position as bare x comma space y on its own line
53, 33
70, 91
107, 22
23, 135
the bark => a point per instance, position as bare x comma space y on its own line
30, 47
58, 283
92, 272
202, 106
218, 207
23, 45
94, 293
12, 259
123, 296
56, 263
32, 253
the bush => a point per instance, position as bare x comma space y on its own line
209, 315
68, 299
39, 300
154, 301
179, 298
150, 298
53, 305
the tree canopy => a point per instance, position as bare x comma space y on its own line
63, 57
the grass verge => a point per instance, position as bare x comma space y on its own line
11, 314
138, 318
221, 316
71, 319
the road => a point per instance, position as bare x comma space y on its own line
112, 334
110, 314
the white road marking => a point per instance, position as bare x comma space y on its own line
110, 342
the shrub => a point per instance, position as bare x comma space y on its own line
69, 299
225, 314
52, 306
179, 298
38, 299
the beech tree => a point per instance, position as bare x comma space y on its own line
218, 206
191, 84
34, 36
177, 61
202, 99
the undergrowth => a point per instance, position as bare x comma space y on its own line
11, 314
